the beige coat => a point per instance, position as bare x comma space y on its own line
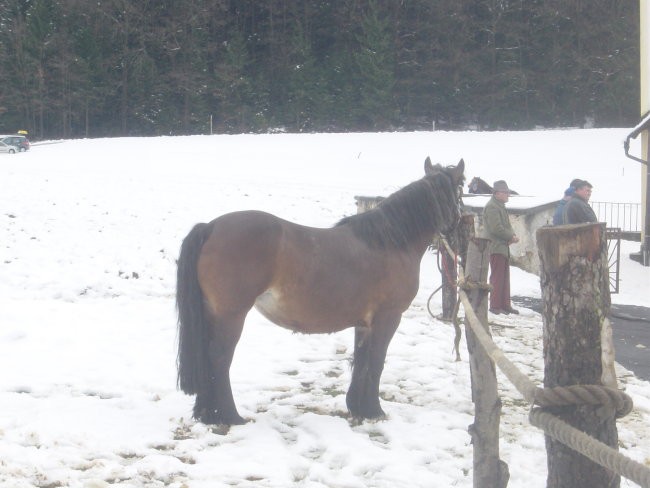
497, 226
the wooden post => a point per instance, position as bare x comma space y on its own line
489, 470
575, 292
449, 278
459, 241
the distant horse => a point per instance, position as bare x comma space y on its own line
361, 273
480, 187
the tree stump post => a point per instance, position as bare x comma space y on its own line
575, 292
489, 470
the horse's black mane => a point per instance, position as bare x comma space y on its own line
420, 208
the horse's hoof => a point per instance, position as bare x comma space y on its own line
368, 414
378, 416
228, 421
218, 418
358, 420
237, 421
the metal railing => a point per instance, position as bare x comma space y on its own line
613, 236
625, 216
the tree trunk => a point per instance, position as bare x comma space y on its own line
489, 470
576, 300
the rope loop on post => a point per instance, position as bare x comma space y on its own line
561, 396
469, 284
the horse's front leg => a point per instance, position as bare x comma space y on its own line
370, 346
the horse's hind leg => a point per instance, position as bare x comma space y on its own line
360, 367
370, 346
215, 403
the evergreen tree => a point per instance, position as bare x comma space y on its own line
305, 85
375, 75
233, 87
71, 68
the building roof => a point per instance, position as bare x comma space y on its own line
517, 203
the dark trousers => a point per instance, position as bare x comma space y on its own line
500, 281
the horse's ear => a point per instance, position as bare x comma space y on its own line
459, 171
428, 167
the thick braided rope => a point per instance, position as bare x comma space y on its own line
546, 397
468, 284
592, 448
584, 395
561, 396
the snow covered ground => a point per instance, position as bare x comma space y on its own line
90, 230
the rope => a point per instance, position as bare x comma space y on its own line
430, 298
469, 284
559, 396
450, 282
546, 397
584, 395
595, 450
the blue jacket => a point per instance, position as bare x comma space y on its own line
558, 216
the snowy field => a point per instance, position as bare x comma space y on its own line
90, 230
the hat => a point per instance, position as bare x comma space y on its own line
569, 191
575, 183
500, 185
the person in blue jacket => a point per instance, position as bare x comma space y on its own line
578, 210
558, 215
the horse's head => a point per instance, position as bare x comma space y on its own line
455, 178
478, 186
473, 185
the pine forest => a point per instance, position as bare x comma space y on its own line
81, 68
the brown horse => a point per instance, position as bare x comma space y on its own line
361, 273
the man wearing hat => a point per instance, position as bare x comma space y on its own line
501, 235
578, 210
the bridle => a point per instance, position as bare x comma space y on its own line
459, 207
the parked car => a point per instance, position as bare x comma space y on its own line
19, 141
6, 148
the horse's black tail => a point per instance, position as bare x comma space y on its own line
193, 361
